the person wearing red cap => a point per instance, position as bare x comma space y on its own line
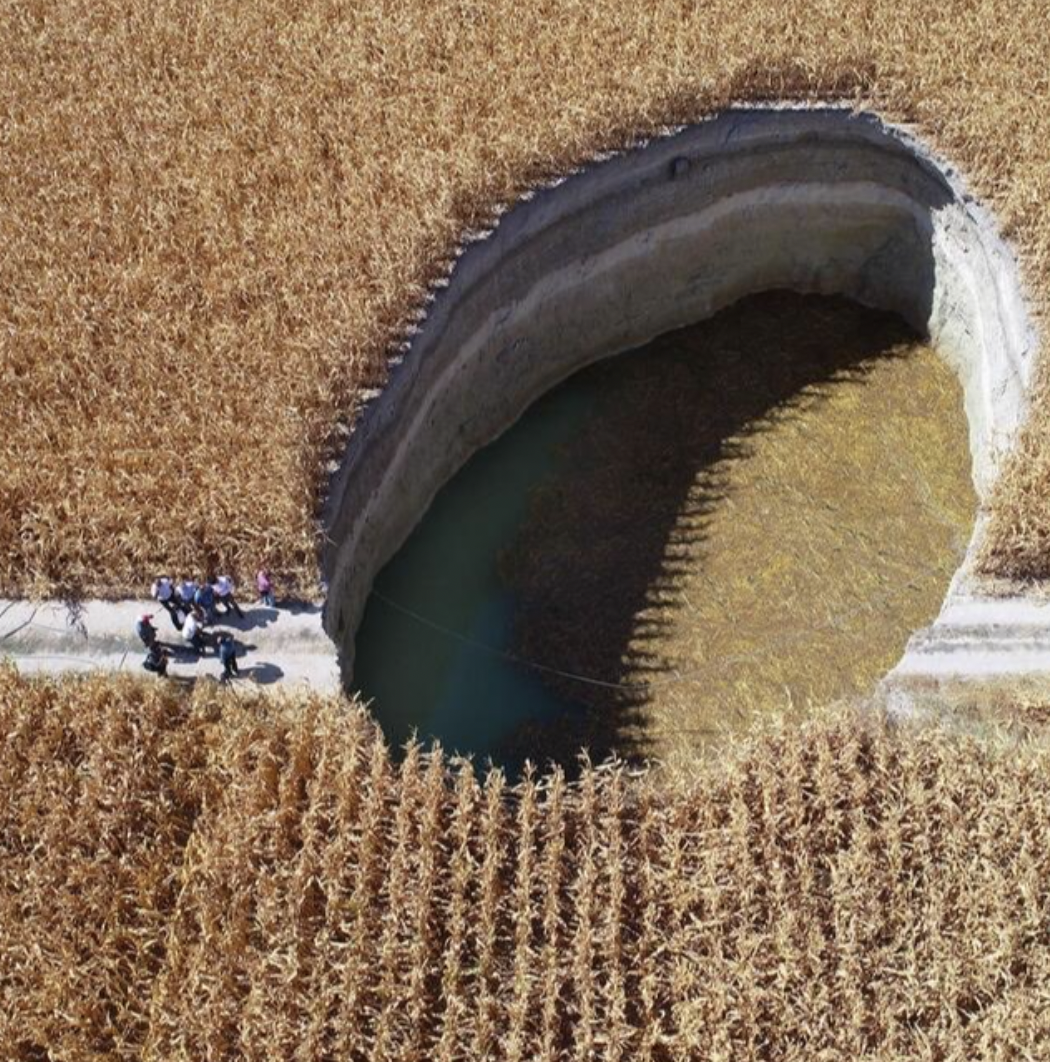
145, 630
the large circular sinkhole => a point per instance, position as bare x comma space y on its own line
824, 354
746, 516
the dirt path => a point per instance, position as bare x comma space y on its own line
277, 648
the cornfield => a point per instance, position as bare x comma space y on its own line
215, 220
228, 878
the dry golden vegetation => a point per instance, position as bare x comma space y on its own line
219, 879
795, 477
215, 218
101, 786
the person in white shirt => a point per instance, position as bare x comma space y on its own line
164, 594
223, 587
193, 630
185, 590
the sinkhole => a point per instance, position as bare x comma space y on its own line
823, 356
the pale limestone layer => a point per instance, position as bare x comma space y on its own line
980, 638
814, 200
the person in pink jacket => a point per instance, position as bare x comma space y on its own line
265, 587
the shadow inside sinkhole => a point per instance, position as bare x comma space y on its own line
595, 514
599, 569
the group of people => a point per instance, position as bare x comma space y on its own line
193, 606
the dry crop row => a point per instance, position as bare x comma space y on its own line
214, 220
225, 879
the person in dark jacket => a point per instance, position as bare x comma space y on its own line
204, 599
228, 656
145, 630
156, 659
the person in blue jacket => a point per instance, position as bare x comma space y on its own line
228, 656
204, 599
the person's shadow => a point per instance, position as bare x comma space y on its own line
183, 652
252, 619
263, 673
301, 608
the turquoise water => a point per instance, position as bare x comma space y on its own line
428, 649
663, 522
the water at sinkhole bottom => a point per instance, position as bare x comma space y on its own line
747, 516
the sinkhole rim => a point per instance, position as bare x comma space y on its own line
814, 199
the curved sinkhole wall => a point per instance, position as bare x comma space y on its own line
813, 200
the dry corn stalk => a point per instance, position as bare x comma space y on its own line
228, 879
197, 281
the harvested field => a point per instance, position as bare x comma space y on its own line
214, 222
222, 879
